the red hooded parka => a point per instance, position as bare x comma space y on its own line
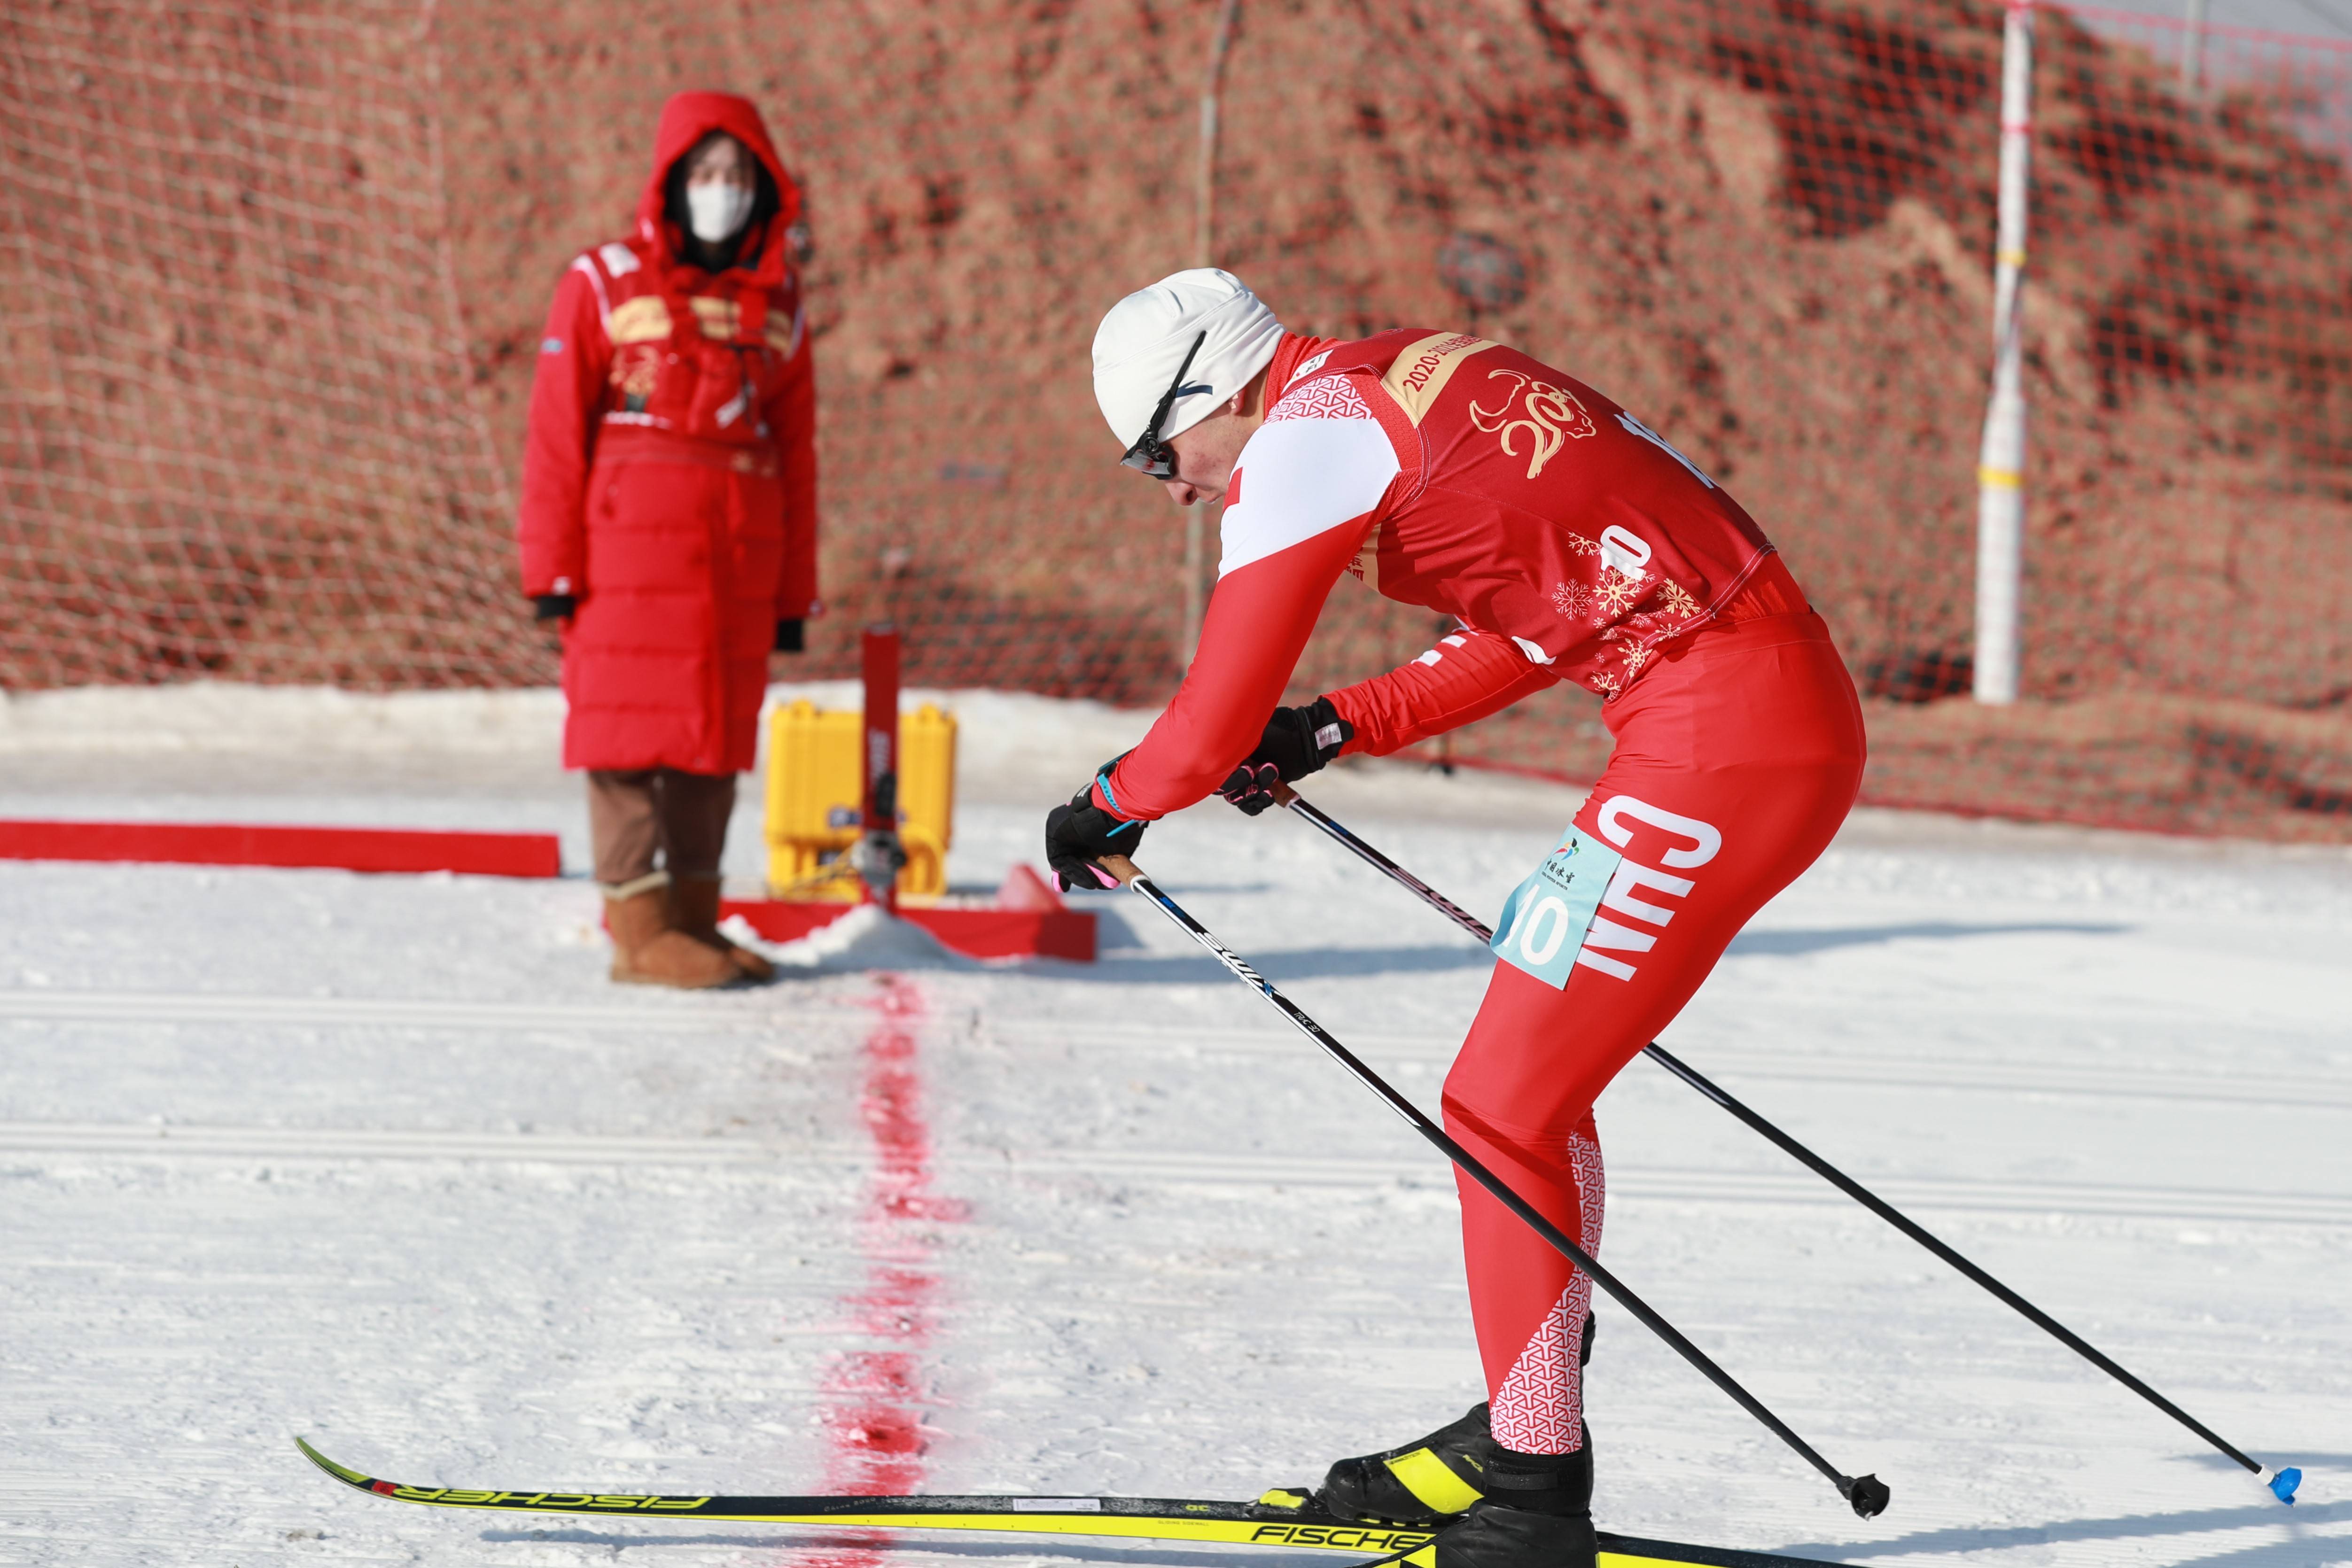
669, 483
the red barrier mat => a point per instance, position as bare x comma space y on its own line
1028, 920
249, 843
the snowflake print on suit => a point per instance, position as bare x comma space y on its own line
1613, 595
1540, 1409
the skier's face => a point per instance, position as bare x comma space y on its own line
1206, 453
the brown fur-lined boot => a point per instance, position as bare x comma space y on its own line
649, 950
694, 910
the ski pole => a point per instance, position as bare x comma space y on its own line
2280, 1483
1867, 1494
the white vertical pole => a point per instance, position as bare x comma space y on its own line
2000, 462
2192, 47
1204, 211
1204, 206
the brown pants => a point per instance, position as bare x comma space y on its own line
633, 815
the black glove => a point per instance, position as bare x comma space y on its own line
792, 637
1078, 834
555, 606
1298, 741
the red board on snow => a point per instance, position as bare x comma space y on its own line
1028, 920
974, 933
252, 844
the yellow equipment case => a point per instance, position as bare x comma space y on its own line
815, 784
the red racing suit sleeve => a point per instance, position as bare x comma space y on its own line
1468, 675
1302, 496
1251, 635
791, 415
567, 394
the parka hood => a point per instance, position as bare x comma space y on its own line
686, 118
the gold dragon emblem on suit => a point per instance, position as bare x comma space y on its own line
1550, 417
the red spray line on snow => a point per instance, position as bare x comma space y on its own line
874, 1398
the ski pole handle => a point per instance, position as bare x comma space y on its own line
1120, 867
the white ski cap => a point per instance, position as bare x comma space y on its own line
1145, 336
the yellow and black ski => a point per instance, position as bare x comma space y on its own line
1283, 1517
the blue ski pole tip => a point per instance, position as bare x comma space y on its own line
2283, 1484
1868, 1494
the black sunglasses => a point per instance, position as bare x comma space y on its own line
1149, 454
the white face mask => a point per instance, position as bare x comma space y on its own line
716, 210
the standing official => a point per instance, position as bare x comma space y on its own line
670, 520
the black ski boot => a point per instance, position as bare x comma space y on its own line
1427, 1481
1536, 1513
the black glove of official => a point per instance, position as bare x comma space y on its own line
555, 606
1298, 741
792, 637
1080, 833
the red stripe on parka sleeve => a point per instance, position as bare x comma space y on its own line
1255, 627
1465, 678
566, 399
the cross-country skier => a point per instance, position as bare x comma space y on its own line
1571, 543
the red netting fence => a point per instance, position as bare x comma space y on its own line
276, 271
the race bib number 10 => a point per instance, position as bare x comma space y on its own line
1546, 917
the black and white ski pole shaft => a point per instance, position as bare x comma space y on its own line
1867, 1494
2281, 1483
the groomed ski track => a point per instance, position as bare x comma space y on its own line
385, 1160
272, 1145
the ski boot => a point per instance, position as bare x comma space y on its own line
1427, 1481
1536, 1513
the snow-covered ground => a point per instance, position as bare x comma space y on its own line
386, 1161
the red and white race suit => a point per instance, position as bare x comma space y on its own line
1571, 543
